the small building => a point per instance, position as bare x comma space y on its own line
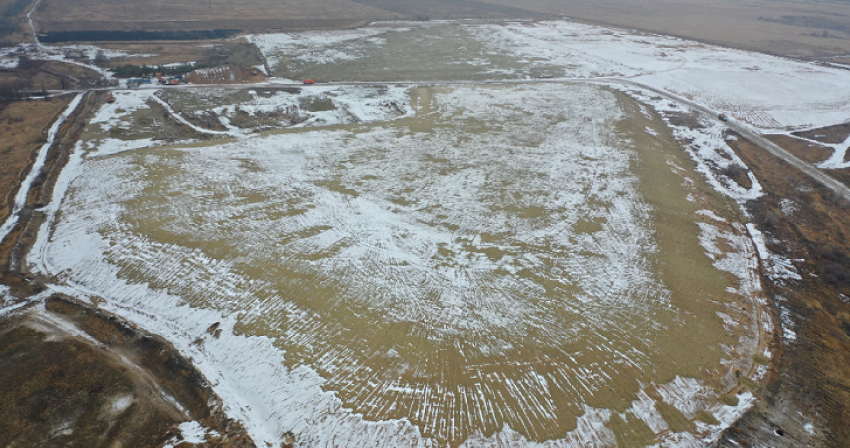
75, 54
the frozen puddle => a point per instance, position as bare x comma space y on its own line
486, 272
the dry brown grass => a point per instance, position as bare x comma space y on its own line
158, 52
809, 152
815, 369
49, 75
49, 379
69, 379
63, 15
830, 134
789, 28
207, 10
74, 15
23, 125
842, 175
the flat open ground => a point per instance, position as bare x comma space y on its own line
459, 264
554, 261
789, 28
799, 28
75, 15
460, 267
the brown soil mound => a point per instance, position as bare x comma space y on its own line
225, 74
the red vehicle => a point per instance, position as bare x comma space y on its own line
309, 81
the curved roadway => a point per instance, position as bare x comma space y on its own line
763, 143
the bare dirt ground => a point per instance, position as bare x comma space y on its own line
814, 153
184, 14
224, 74
806, 223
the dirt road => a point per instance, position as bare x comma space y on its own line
765, 144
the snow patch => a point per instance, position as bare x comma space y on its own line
191, 432
120, 404
35, 170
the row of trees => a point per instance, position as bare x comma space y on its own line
137, 71
13, 90
136, 35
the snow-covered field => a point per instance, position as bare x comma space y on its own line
469, 264
477, 270
767, 92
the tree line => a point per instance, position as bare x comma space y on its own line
137, 71
137, 35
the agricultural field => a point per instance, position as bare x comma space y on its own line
817, 30
738, 82
75, 16
468, 233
